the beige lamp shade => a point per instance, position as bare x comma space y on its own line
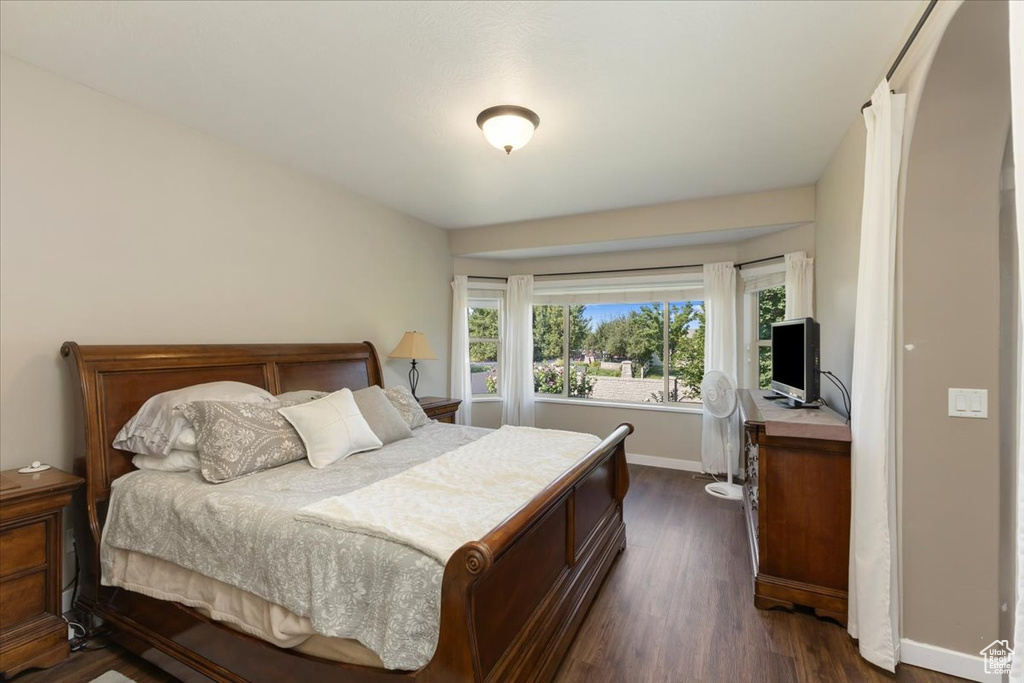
414, 345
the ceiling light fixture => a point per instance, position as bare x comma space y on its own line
507, 126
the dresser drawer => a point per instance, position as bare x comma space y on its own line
22, 598
22, 548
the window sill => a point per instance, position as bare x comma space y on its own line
692, 408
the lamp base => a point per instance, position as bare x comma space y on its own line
414, 379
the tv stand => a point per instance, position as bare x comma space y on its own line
796, 500
791, 403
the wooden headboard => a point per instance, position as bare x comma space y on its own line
114, 382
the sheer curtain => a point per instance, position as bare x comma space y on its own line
461, 382
799, 286
1017, 122
517, 353
719, 354
874, 599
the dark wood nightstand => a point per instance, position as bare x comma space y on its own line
32, 630
440, 408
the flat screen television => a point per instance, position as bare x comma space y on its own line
796, 369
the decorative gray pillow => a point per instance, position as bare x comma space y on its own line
236, 439
154, 430
384, 419
407, 406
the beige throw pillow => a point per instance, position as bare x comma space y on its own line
332, 428
385, 421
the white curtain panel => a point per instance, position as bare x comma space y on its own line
720, 353
1017, 122
461, 382
874, 578
517, 353
799, 286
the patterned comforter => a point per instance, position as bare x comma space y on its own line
244, 533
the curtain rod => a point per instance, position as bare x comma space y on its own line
906, 45
627, 270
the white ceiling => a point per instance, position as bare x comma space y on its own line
688, 239
640, 102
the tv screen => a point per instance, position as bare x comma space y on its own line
788, 355
795, 359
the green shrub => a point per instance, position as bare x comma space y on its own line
548, 379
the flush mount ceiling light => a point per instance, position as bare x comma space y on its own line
507, 126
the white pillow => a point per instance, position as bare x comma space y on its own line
186, 441
331, 428
175, 461
156, 427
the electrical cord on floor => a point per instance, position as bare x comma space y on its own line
843, 391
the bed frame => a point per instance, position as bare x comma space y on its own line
510, 602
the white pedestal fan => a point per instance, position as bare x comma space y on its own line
719, 395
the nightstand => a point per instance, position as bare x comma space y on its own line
32, 631
440, 408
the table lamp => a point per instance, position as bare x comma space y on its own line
413, 346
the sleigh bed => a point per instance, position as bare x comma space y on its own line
510, 603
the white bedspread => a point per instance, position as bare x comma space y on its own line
439, 505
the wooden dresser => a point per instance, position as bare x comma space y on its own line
32, 631
797, 503
440, 408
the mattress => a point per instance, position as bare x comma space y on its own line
231, 606
243, 533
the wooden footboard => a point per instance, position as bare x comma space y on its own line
510, 602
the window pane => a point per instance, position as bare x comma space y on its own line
686, 351
483, 367
483, 323
548, 341
483, 356
581, 379
616, 351
764, 367
771, 308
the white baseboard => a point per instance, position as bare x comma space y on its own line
971, 667
664, 463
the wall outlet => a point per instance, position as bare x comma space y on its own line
968, 403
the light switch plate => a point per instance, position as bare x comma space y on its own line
968, 403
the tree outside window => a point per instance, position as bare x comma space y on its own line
771, 308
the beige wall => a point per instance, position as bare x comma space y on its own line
118, 226
778, 207
950, 495
1009, 356
951, 317
660, 434
840, 192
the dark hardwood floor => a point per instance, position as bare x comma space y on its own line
676, 607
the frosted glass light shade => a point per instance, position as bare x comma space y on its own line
508, 127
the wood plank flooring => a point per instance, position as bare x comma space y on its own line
676, 607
